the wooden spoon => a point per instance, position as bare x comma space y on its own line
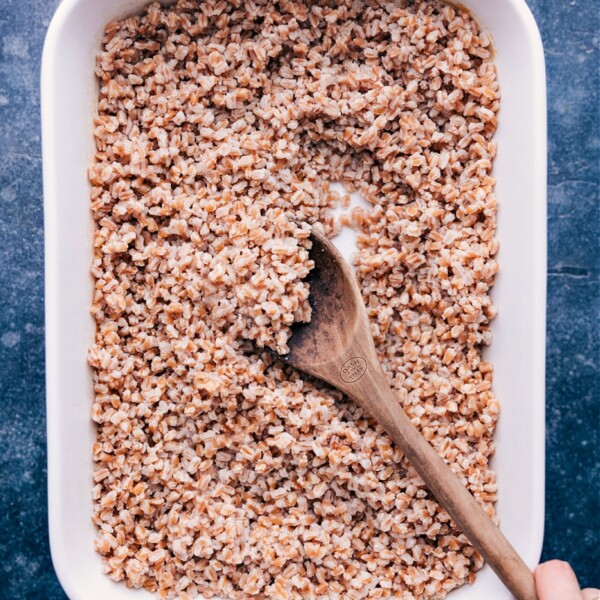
337, 347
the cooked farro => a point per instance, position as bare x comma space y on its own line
219, 470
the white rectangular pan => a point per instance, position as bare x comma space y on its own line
69, 93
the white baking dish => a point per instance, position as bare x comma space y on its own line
68, 102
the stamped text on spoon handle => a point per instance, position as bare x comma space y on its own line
353, 369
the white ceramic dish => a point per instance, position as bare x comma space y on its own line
69, 92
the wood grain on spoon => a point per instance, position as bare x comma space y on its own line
337, 347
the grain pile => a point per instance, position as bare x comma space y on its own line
219, 471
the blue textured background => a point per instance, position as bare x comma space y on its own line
570, 31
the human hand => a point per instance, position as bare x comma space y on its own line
555, 580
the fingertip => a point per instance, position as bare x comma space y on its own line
556, 580
555, 566
559, 564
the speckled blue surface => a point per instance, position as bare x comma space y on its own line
570, 31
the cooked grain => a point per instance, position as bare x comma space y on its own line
220, 471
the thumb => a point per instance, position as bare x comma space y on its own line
555, 580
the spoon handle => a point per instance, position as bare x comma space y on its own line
377, 397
